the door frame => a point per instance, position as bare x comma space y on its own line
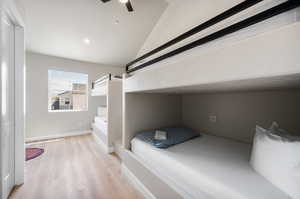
10, 10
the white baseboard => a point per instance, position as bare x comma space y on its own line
104, 146
48, 137
137, 183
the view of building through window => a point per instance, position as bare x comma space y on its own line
67, 91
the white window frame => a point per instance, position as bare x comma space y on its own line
87, 93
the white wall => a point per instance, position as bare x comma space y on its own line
40, 122
181, 16
238, 113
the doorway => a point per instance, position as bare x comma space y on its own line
7, 106
12, 95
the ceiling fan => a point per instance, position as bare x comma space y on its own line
126, 2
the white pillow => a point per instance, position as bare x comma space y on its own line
277, 157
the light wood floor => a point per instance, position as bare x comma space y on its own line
74, 168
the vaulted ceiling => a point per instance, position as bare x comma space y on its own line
89, 30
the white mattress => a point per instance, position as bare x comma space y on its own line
208, 167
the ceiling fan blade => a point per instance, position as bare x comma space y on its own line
129, 6
104, 1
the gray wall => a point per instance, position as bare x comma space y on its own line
40, 122
175, 20
149, 111
238, 113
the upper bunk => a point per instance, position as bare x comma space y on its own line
100, 86
107, 124
260, 51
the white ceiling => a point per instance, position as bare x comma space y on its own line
58, 28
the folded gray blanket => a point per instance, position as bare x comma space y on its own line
174, 136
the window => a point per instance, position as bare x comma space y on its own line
67, 91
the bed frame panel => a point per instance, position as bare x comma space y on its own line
263, 61
150, 185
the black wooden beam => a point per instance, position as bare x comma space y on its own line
228, 13
276, 10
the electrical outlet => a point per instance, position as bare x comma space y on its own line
213, 118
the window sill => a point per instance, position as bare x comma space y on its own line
66, 111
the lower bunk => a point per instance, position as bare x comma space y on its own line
219, 154
207, 167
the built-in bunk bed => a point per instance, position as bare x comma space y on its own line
107, 125
220, 87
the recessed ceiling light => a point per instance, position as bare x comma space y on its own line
87, 41
123, 1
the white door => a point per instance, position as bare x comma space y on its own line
7, 106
